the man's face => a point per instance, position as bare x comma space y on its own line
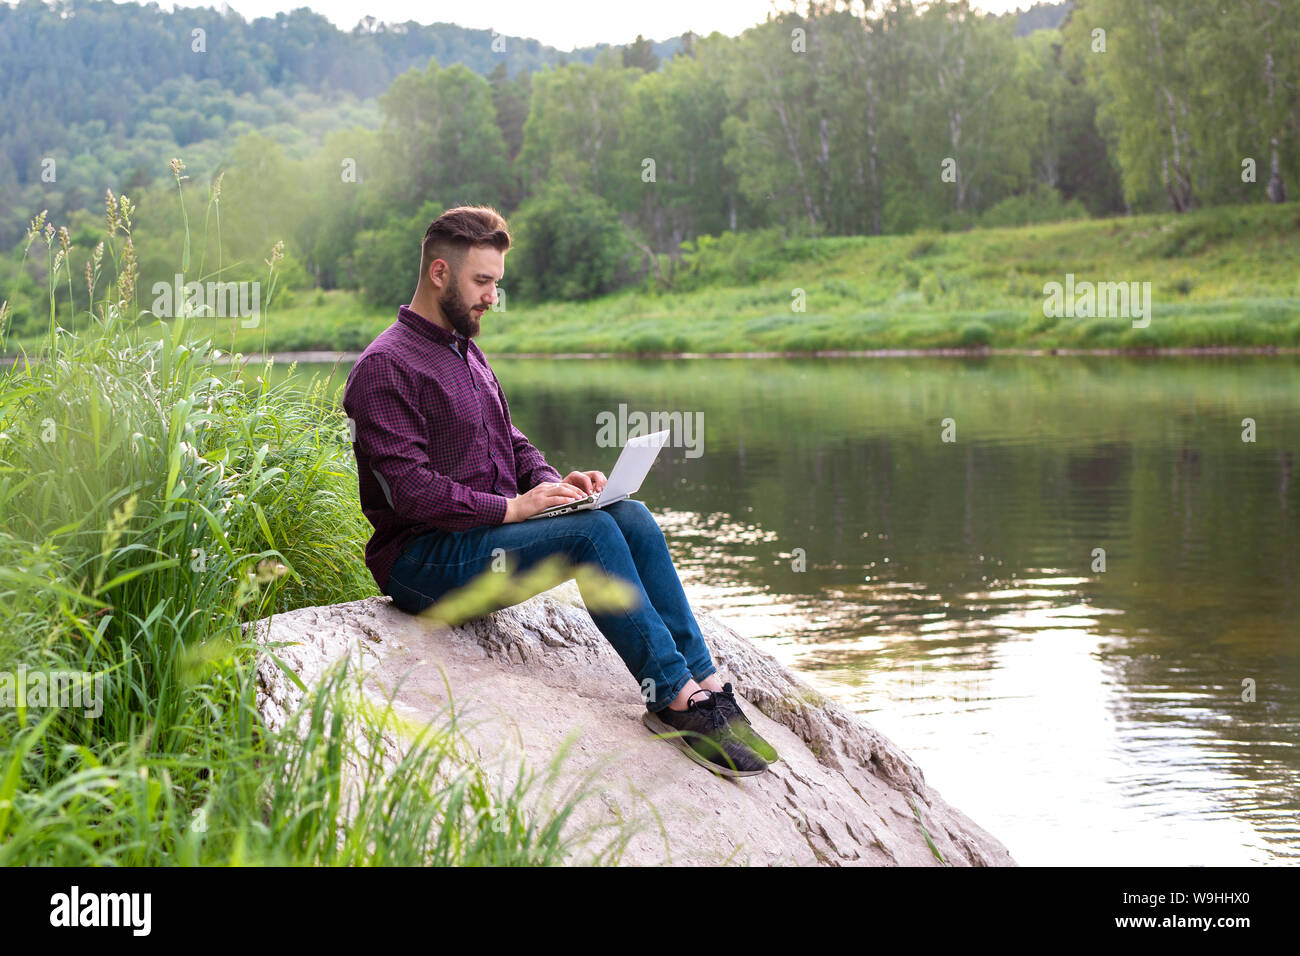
468, 294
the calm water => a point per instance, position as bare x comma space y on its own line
950, 592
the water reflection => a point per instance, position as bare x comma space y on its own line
1054, 615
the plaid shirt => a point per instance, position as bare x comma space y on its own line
433, 438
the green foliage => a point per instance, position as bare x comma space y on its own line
925, 246
1040, 204
734, 258
1191, 236
865, 292
440, 140
1193, 90
388, 258
847, 136
567, 245
975, 335
931, 288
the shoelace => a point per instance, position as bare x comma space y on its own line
719, 722
730, 698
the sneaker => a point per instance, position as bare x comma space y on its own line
740, 724
701, 732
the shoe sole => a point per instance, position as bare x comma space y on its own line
681, 743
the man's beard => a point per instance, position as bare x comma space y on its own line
458, 313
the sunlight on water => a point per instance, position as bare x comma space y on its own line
1032, 717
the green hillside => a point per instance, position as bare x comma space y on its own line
1220, 277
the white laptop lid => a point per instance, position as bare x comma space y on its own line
632, 466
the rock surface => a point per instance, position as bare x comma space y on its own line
533, 674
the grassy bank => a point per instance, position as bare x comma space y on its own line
1219, 277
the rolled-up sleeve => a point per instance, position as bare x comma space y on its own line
531, 468
391, 437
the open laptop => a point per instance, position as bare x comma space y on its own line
624, 481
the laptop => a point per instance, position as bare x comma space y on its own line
624, 481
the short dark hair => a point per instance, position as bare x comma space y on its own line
456, 230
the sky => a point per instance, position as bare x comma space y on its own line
564, 24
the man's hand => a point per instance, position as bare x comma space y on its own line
543, 496
588, 481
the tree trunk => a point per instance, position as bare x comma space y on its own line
1178, 179
1276, 190
793, 145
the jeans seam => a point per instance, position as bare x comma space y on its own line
645, 638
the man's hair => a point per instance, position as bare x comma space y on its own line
451, 235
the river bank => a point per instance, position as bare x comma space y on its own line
322, 357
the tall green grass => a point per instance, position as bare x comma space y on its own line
154, 506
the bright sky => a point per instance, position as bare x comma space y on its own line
564, 24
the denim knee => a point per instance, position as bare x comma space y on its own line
597, 524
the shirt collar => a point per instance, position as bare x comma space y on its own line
413, 320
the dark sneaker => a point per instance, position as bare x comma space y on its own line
740, 725
701, 732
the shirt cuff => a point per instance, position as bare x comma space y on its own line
495, 508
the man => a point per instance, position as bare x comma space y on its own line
446, 479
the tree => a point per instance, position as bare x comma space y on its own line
440, 139
673, 187
388, 258
969, 104
1144, 81
774, 122
640, 55
1246, 101
573, 127
568, 244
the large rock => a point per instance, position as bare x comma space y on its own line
532, 674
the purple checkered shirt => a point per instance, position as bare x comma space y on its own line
433, 438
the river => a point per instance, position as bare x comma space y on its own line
1066, 586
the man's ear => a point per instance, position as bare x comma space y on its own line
443, 269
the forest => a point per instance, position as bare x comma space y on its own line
829, 119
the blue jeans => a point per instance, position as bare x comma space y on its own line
658, 639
